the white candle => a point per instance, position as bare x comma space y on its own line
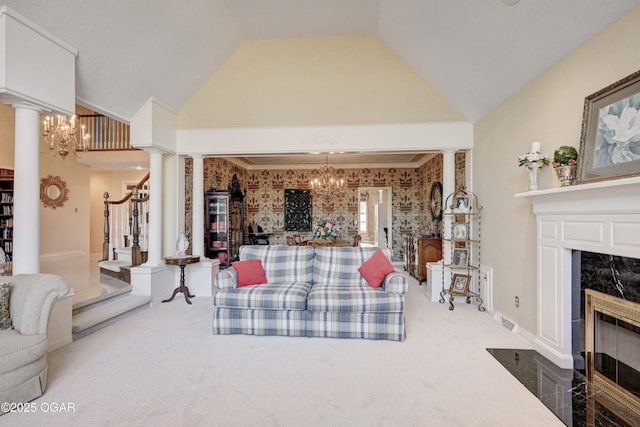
535, 146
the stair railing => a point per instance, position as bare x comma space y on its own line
122, 223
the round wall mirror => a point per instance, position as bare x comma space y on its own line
53, 192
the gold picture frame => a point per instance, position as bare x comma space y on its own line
460, 284
610, 139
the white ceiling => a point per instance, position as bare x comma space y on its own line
475, 53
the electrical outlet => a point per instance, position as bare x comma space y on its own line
517, 302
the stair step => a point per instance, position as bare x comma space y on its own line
124, 254
105, 313
114, 265
118, 269
118, 289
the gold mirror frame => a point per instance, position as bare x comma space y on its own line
53, 192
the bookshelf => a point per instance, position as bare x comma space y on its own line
6, 216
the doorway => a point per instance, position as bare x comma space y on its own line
374, 216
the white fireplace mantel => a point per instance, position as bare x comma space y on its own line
602, 217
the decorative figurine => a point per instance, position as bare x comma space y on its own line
182, 244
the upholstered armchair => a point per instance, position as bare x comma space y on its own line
23, 349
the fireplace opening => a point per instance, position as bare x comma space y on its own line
622, 367
613, 347
611, 275
606, 323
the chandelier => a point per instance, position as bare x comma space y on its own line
326, 183
61, 135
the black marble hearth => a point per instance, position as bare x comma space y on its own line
566, 392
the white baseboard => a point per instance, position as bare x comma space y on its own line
514, 327
505, 321
526, 334
59, 255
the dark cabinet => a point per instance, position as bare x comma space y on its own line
216, 227
225, 224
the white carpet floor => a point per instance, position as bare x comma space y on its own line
163, 367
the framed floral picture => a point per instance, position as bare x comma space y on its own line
610, 140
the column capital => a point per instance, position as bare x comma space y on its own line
26, 105
155, 150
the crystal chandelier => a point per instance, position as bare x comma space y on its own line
61, 135
326, 182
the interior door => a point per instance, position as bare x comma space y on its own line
374, 216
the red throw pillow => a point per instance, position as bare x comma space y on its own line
376, 268
250, 272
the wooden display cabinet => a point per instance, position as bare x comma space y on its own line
224, 224
429, 250
216, 226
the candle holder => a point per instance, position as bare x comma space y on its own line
534, 161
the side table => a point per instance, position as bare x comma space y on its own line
182, 262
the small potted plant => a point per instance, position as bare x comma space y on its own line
565, 162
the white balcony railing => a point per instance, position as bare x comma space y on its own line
106, 133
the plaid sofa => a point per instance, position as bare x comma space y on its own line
310, 293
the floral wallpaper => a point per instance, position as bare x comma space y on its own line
265, 196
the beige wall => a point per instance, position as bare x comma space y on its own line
7, 125
65, 229
549, 110
314, 81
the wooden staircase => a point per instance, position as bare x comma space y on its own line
120, 252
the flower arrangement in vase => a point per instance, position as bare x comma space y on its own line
325, 229
534, 160
565, 162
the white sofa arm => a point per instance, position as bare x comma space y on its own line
396, 283
32, 296
226, 279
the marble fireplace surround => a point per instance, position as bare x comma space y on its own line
602, 217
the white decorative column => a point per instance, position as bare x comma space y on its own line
26, 202
200, 275
30, 89
448, 187
197, 206
155, 207
436, 274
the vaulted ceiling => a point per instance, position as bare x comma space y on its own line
475, 53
